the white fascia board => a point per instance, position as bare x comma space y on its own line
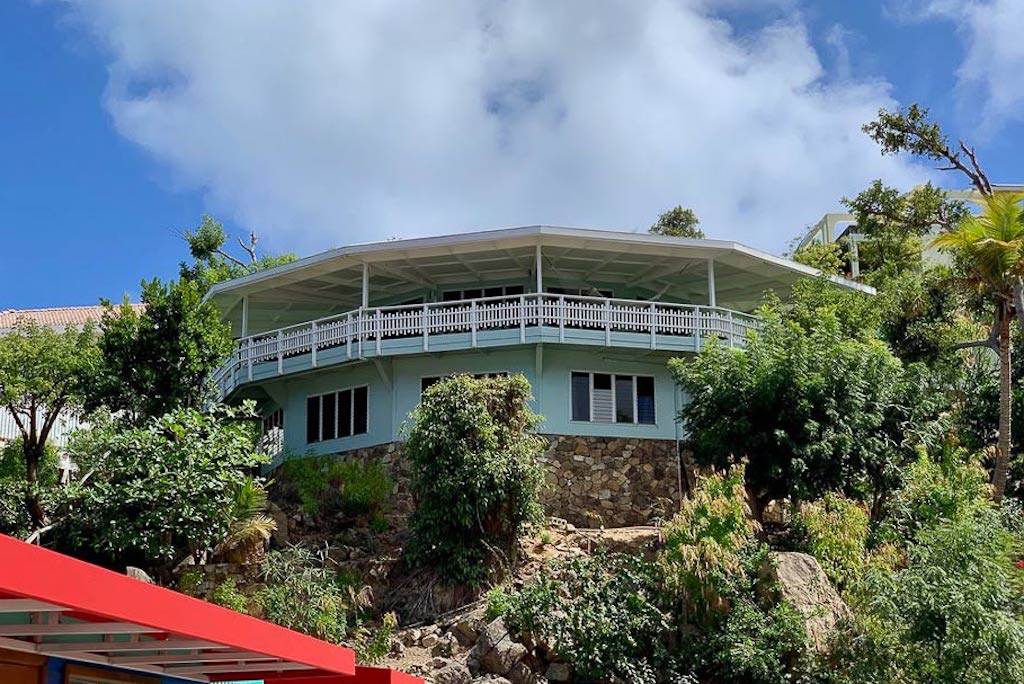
509, 236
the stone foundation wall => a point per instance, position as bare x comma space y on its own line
590, 481
610, 482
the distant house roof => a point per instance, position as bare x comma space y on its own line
60, 317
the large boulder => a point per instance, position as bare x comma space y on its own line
453, 673
495, 650
803, 584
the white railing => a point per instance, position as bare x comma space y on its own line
364, 331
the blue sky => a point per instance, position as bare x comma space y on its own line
317, 125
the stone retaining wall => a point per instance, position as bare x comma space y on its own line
590, 481
610, 482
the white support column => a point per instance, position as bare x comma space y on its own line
538, 271
712, 300
245, 316
366, 286
312, 343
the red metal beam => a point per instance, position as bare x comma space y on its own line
32, 572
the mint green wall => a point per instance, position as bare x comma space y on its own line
394, 389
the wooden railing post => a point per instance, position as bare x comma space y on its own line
522, 319
348, 334
377, 324
248, 355
312, 344
280, 352
426, 329
472, 323
561, 318
654, 327
608, 322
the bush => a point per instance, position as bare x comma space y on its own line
954, 614
834, 530
304, 592
161, 491
327, 485
227, 594
475, 475
601, 614
707, 540
757, 644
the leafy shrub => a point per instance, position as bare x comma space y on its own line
372, 646
227, 594
14, 517
834, 530
951, 487
475, 475
162, 490
954, 614
601, 614
814, 403
499, 601
327, 485
303, 591
190, 581
706, 541
757, 644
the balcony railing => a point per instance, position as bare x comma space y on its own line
366, 332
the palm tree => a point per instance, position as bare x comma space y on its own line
991, 247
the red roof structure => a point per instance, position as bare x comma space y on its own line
60, 317
55, 605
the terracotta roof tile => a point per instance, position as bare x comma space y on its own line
58, 317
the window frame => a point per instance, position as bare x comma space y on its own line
482, 289
337, 404
476, 376
636, 398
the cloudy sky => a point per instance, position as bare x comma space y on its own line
318, 124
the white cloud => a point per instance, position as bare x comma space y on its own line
989, 80
323, 123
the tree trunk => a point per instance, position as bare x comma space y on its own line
1005, 405
33, 452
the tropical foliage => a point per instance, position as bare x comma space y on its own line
475, 475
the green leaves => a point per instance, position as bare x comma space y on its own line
678, 222
162, 490
475, 474
814, 403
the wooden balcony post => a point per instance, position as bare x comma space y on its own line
377, 325
248, 355
522, 319
712, 298
312, 344
608, 322
561, 318
426, 329
472, 323
280, 352
654, 327
348, 334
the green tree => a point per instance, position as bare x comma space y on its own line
160, 360
678, 222
213, 263
42, 373
813, 408
160, 491
895, 225
991, 248
475, 475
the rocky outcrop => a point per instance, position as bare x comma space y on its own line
803, 584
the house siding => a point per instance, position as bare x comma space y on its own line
394, 391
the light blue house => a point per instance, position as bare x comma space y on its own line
337, 347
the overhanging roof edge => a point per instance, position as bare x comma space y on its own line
538, 231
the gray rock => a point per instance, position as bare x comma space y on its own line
139, 574
522, 674
496, 651
466, 631
453, 673
558, 672
429, 640
804, 585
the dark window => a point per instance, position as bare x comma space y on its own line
359, 411
581, 396
606, 398
645, 400
623, 398
427, 383
471, 294
493, 292
329, 416
511, 290
312, 420
345, 413
451, 296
